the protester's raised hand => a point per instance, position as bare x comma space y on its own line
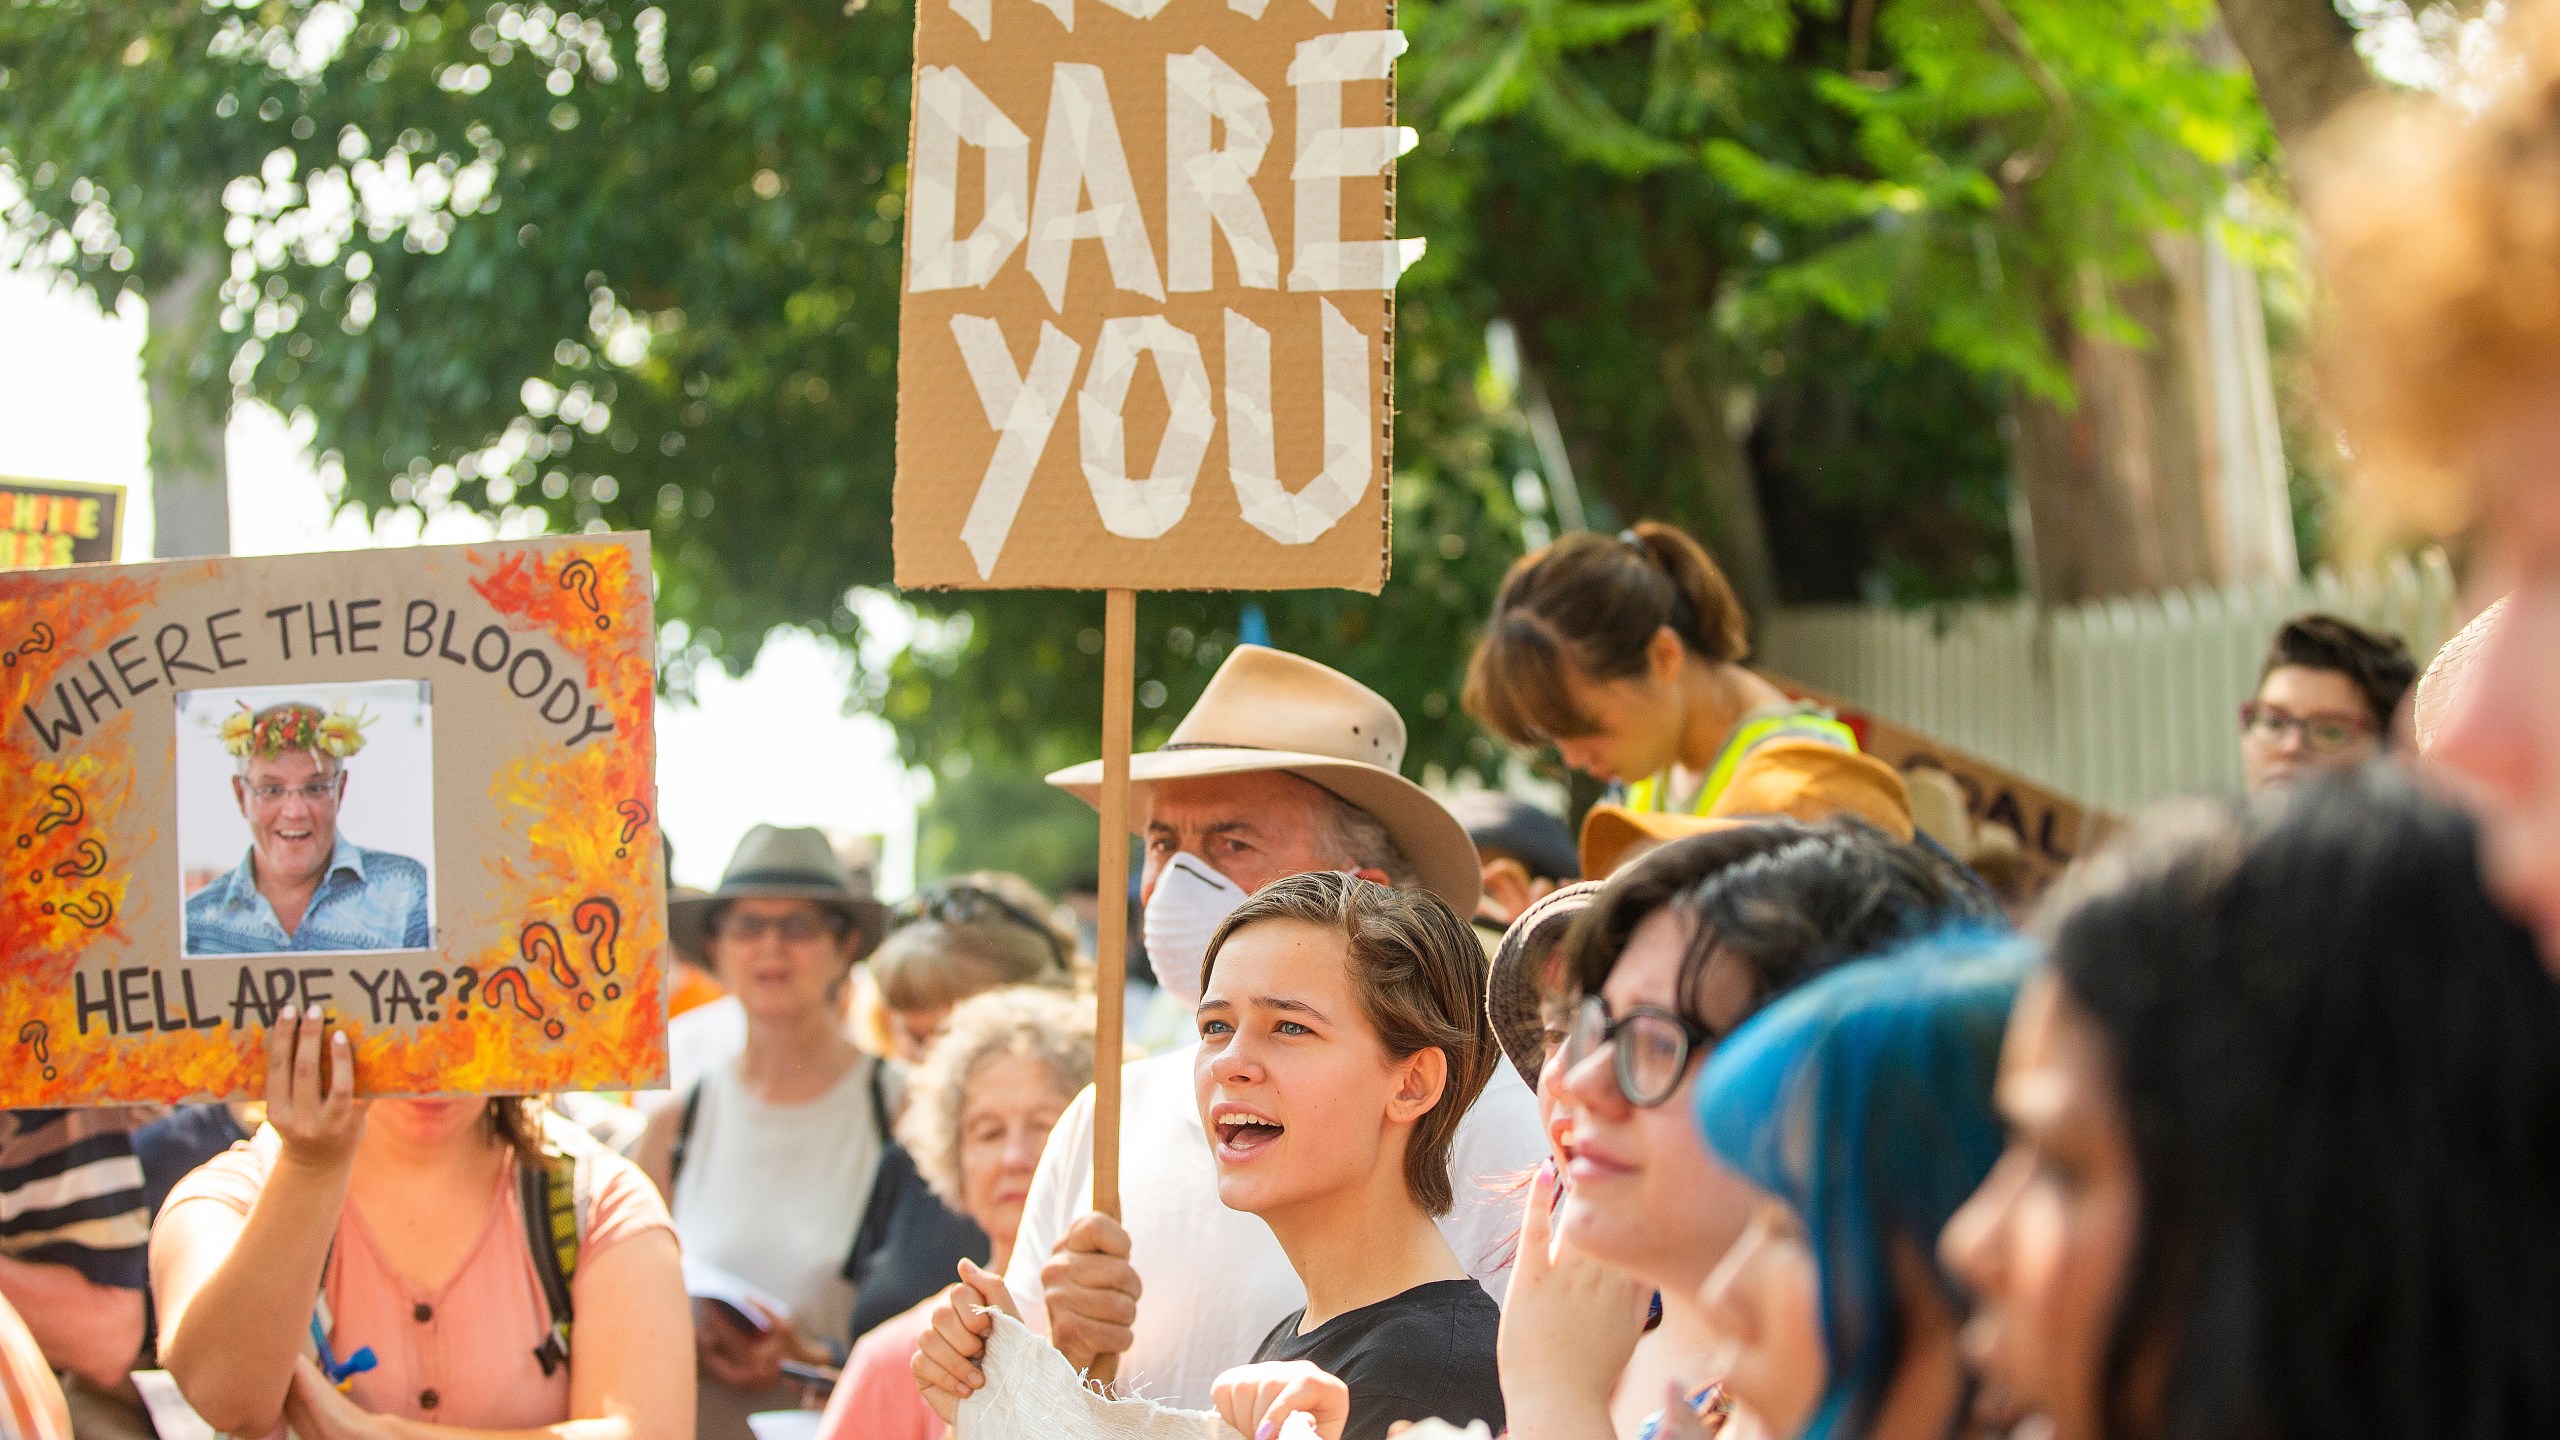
945, 1364
1569, 1325
1254, 1400
311, 1102
1091, 1290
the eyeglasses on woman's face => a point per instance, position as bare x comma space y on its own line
1653, 1047
796, 927
2320, 734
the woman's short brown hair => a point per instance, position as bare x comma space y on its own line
971, 934
1420, 976
1588, 605
2436, 231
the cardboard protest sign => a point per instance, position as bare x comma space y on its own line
411, 787
2052, 828
1146, 339
47, 524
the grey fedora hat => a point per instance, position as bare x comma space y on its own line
780, 864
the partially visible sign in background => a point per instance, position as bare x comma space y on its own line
1147, 334
47, 524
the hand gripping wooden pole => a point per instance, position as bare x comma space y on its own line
1111, 963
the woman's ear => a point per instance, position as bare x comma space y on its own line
1663, 655
1425, 1076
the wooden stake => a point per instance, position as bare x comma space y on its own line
1111, 964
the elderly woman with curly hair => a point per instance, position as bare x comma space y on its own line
979, 1109
2436, 221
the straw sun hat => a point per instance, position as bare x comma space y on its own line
1268, 710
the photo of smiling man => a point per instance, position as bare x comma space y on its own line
303, 884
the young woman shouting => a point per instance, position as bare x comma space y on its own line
1342, 1036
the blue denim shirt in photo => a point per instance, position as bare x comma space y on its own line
367, 900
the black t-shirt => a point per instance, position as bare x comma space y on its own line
1427, 1352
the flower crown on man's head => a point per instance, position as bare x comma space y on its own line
280, 728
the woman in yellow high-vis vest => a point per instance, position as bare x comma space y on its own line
1625, 653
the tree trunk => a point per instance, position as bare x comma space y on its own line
1737, 530
2303, 55
190, 395
2168, 472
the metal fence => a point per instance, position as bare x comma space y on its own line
2117, 703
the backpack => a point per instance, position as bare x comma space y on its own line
555, 1198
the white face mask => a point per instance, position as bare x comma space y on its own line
1190, 900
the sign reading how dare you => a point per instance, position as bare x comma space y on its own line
1151, 263
413, 788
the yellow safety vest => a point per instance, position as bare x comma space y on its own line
1648, 796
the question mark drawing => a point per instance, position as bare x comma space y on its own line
91, 860
513, 982
93, 912
62, 808
434, 983
38, 646
600, 920
634, 815
580, 576
540, 944
464, 978
33, 1033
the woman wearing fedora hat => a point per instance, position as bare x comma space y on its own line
768, 1162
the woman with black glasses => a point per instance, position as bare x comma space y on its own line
1679, 950
769, 1162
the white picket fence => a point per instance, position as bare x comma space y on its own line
2117, 703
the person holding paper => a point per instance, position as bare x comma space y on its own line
769, 1161
303, 886
397, 1230
1283, 767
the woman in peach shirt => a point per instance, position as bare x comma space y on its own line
401, 1217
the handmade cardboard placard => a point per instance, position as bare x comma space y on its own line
2053, 829
412, 787
1146, 340
48, 524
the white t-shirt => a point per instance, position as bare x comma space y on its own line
773, 1193
1213, 1281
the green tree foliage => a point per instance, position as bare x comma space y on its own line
635, 266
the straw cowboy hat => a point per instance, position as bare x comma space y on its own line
779, 864
1266, 709
1524, 975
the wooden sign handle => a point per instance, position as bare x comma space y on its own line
1111, 962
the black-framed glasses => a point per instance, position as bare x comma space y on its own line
2321, 734
1653, 1047
961, 903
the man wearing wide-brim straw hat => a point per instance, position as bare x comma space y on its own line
1284, 766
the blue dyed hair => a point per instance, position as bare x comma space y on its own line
1863, 1100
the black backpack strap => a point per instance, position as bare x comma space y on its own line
684, 1135
547, 1195
880, 1104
